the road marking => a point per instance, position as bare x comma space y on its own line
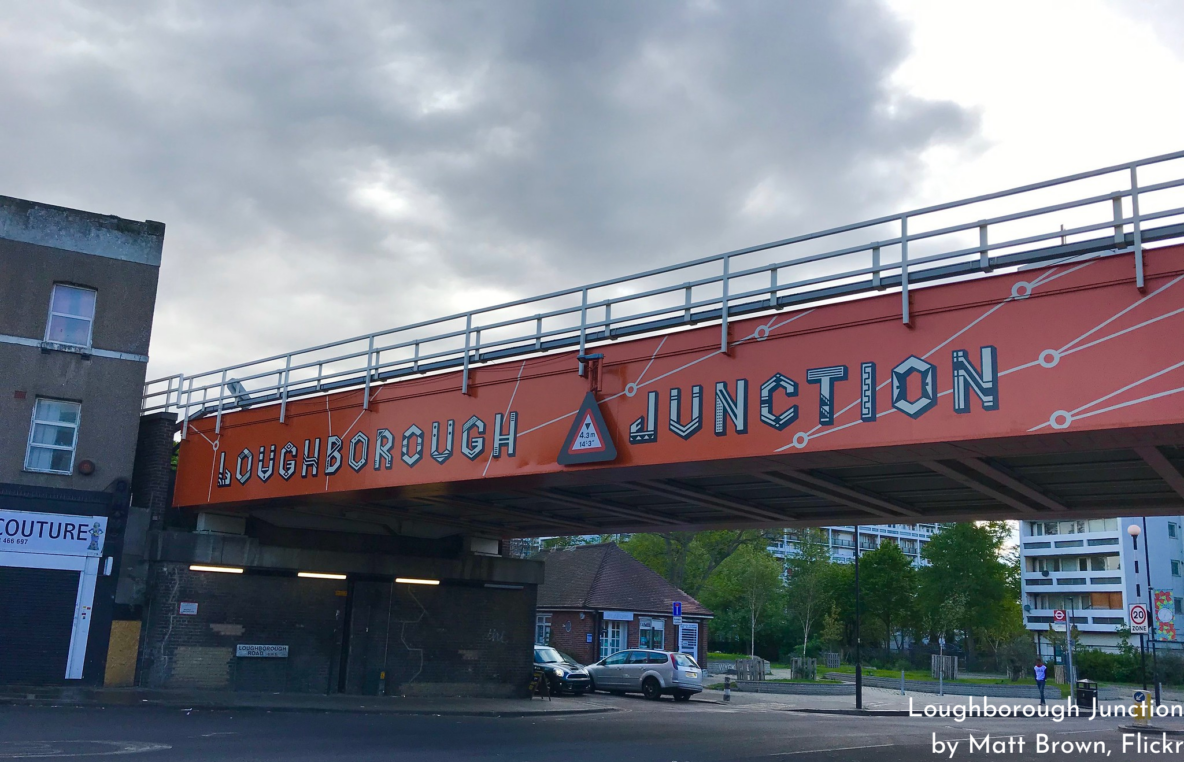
44, 749
824, 751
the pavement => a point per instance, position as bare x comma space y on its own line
445, 706
885, 700
875, 700
756, 729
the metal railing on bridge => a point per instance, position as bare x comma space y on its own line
1053, 220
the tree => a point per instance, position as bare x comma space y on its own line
889, 592
808, 572
834, 631
748, 580
965, 565
576, 540
687, 559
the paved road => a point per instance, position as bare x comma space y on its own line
639, 730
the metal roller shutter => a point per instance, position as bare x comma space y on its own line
36, 617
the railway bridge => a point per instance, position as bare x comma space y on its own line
1004, 367
1018, 355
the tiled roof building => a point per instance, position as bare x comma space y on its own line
597, 600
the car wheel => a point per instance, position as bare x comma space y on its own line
651, 689
682, 696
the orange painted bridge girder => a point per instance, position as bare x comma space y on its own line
1048, 353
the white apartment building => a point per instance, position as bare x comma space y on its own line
1089, 568
841, 540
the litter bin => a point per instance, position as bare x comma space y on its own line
1087, 694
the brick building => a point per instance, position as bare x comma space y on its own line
597, 600
77, 295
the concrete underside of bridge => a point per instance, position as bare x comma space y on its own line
1060, 475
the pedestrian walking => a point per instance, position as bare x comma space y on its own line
1041, 671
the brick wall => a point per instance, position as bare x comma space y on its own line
153, 472
446, 640
574, 642
198, 651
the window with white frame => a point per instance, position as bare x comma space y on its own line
652, 633
542, 629
53, 436
1171, 529
71, 315
1175, 568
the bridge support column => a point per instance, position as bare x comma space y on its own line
152, 474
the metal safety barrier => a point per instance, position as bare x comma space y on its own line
1053, 220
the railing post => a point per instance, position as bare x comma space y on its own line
608, 320
185, 410
876, 284
369, 365
221, 394
415, 358
464, 379
773, 287
180, 385
284, 387
583, 325
686, 313
984, 256
906, 317
723, 307
1116, 202
538, 333
1137, 227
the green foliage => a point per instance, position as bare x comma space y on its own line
888, 584
966, 585
572, 541
744, 589
687, 559
834, 630
810, 587
1016, 656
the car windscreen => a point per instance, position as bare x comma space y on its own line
547, 656
683, 660
569, 659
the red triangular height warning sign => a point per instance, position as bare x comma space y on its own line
589, 440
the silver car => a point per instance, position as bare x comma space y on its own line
653, 673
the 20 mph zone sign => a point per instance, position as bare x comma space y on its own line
1138, 616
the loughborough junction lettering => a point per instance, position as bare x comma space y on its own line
371, 451
733, 403
735, 406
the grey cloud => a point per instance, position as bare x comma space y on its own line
333, 168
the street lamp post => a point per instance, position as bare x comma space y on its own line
1133, 531
858, 635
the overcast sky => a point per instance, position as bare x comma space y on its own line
328, 169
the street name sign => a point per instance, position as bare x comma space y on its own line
259, 651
